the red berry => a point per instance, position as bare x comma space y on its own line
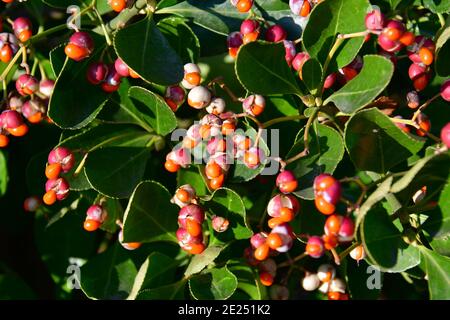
445, 135
445, 90
249, 26
266, 279
26, 84
96, 72
63, 156
314, 247
112, 80
275, 33
286, 182
374, 20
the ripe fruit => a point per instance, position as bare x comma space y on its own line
280, 202
6, 53
53, 170
445, 135
262, 252
213, 170
91, 225
301, 8
330, 241
80, 46
340, 226
387, 44
445, 90
275, 33
128, 245
274, 241
59, 186
97, 213
310, 282
330, 80
266, 279
63, 156
192, 77
96, 72
26, 84
184, 195
216, 183
374, 20
252, 157
244, 5
426, 56
290, 51
358, 253
254, 104
4, 141
234, 41
274, 222
197, 248
174, 96
286, 182
46, 87
413, 99
117, 5
424, 124
199, 97
49, 197
324, 206
407, 38
314, 247
112, 80
326, 272
193, 227
394, 30
22, 28
285, 233
286, 214
19, 131
419, 43
220, 224
258, 239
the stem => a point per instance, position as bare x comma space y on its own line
24, 63
424, 105
282, 119
441, 19
224, 87
5, 90
45, 33
33, 68
81, 165
305, 151
102, 23
333, 50
292, 261
337, 259
42, 71
344, 253
11, 64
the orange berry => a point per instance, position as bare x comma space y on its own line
330, 241
393, 34
407, 38
134, 75
333, 224
193, 78
251, 159
306, 9
49, 197
244, 5
75, 52
131, 245
216, 183
250, 37
213, 170
183, 195
426, 56
53, 170
193, 227
35, 118
273, 222
197, 248
24, 35
91, 225
262, 252
4, 141
231, 51
6, 53
205, 131
171, 166
266, 279
228, 128
334, 295
286, 214
274, 241
118, 5
19, 131
323, 206
189, 143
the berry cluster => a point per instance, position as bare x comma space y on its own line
9, 44
95, 216
326, 281
210, 131
60, 160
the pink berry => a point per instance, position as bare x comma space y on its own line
193, 212
249, 26
97, 213
63, 156
234, 40
286, 181
60, 186
82, 39
445, 135
315, 247
330, 80
121, 68
299, 59
220, 224
289, 47
327, 187
258, 239
375, 20
21, 24
10, 119
96, 72
46, 87
26, 85
387, 44
282, 201
416, 70
275, 33
445, 90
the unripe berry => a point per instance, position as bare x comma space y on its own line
220, 224
217, 106
330, 80
445, 90
63, 156
310, 282
275, 33
96, 72
337, 285
254, 104
59, 186
31, 204
445, 135
286, 182
128, 245
199, 97
375, 20
46, 87
112, 80
300, 7
326, 272
192, 76
26, 85
358, 253
80, 46
314, 247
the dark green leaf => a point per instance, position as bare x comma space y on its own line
357, 277
193, 177
327, 20
437, 6
247, 281
375, 143
173, 291
312, 75
365, 87
201, 261
14, 288
57, 59
326, 149
145, 50
438, 272
213, 284
150, 216
267, 61
442, 62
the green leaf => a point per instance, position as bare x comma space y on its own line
438, 271
247, 281
115, 212
312, 75
375, 143
75, 102
181, 38
442, 62
116, 171
173, 291
437, 6
154, 110
437, 224
357, 277
201, 261
228, 204
326, 149
327, 20
213, 284
192, 176
4, 177
57, 59
375, 75
239, 172
108, 275
223, 18
267, 61
14, 288
150, 216
145, 50
384, 245
156, 271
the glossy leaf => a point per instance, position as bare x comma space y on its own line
312, 74
13, 287
145, 50
202, 260
375, 143
438, 272
150, 216
193, 177
217, 284
326, 151
437, 6
247, 281
365, 87
326, 21
267, 61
